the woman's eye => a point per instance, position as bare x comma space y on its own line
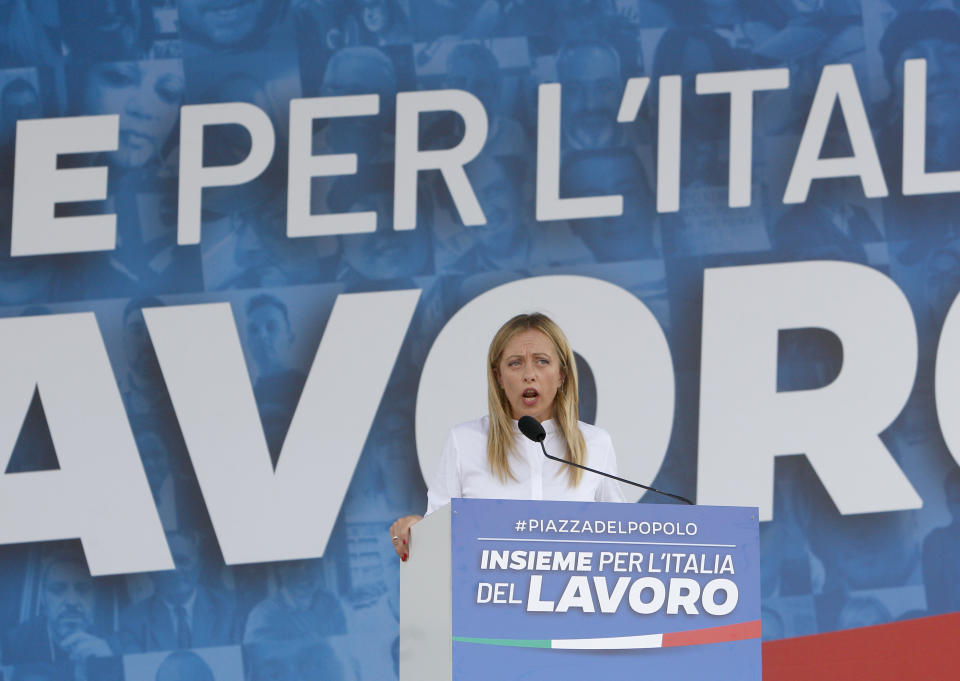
116, 78
170, 92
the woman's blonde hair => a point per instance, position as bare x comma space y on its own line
502, 438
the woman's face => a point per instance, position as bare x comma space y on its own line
147, 96
375, 15
529, 374
222, 22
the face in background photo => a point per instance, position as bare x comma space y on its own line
19, 100
499, 196
933, 35
356, 71
155, 455
592, 86
28, 280
223, 24
178, 585
474, 68
142, 361
184, 665
147, 96
382, 22
106, 29
67, 597
295, 661
628, 236
269, 334
386, 253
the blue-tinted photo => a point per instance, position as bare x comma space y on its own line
336, 617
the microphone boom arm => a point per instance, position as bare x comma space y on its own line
614, 477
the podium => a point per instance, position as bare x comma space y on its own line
530, 590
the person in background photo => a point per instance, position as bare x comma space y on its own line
146, 95
301, 608
378, 23
390, 456
65, 630
435, 19
182, 613
629, 236
19, 101
106, 30
355, 71
933, 35
508, 241
294, 660
474, 68
687, 52
211, 26
592, 79
277, 386
941, 554
40, 671
184, 665
387, 255
24, 39
157, 464
144, 392
860, 611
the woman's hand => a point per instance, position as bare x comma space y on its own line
400, 534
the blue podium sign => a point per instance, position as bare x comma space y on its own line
557, 590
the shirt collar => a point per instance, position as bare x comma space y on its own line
549, 426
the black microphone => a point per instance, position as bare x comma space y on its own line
533, 430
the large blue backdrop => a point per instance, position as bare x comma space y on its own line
336, 617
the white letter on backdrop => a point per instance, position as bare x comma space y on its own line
304, 166
946, 382
837, 83
38, 186
410, 160
260, 515
668, 144
745, 423
100, 493
916, 179
741, 85
635, 397
194, 176
549, 204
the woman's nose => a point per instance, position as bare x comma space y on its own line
137, 107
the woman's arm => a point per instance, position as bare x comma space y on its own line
445, 485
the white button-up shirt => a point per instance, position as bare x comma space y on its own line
464, 471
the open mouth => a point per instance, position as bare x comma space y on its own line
132, 138
530, 396
228, 12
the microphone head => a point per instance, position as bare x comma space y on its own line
530, 427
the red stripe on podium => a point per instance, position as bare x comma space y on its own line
926, 648
729, 632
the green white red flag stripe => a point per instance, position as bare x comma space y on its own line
721, 634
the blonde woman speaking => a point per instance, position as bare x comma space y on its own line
530, 372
